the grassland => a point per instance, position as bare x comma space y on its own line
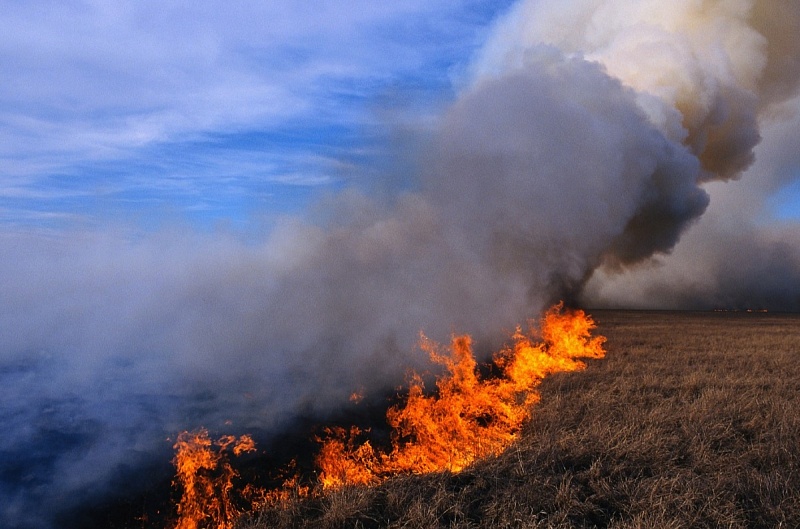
691, 420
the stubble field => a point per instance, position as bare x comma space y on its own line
691, 420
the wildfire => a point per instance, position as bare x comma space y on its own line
468, 417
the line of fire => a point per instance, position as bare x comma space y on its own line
474, 412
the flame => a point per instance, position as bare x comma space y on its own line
206, 477
357, 396
341, 460
468, 417
291, 488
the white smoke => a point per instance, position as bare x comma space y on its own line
703, 69
585, 141
706, 73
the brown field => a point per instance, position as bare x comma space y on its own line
691, 420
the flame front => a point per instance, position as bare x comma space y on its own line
468, 417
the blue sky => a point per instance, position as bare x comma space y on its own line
219, 114
211, 113
786, 203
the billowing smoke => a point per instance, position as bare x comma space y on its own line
710, 76
582, 146
737, 256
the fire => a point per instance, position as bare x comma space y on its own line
468, 417
356, 396
341, 460
206, 478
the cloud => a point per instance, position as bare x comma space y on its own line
92, 90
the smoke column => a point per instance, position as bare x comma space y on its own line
582, 145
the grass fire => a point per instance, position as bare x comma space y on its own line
467, 418
690, 420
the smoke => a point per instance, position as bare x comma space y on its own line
709, 75
738, 256
586, 142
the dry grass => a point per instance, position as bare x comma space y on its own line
692, 420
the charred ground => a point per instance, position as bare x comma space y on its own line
691, 420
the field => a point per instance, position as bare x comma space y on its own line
691, 420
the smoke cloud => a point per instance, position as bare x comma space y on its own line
738, 256
587, 142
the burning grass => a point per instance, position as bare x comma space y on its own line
467, 418
207, 477
693, 420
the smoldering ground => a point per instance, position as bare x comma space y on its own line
567, 153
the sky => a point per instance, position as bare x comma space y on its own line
141, 113
231, 215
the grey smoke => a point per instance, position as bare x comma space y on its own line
566, 161
736, 256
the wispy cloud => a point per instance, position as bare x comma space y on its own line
93, 90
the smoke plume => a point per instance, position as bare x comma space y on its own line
737, 256
584, 144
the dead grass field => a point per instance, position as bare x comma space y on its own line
692, 420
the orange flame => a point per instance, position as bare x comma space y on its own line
341, 460
206, 478
356, 396
468, 417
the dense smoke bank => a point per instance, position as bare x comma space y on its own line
710, 76
732, 258
582, 147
